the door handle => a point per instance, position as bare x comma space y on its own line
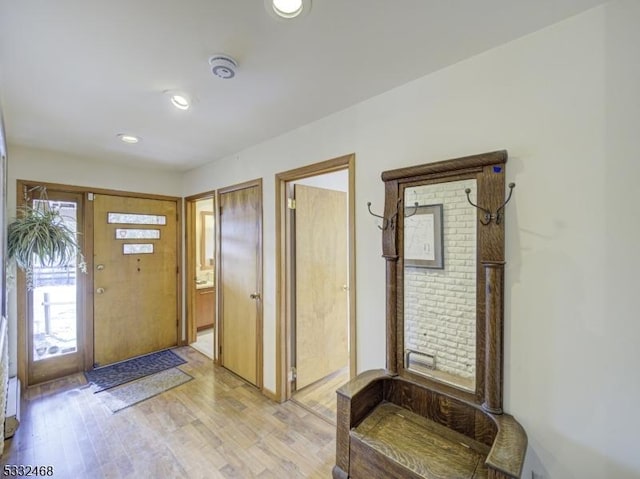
254, 295
345, 287
100, 290
100, 267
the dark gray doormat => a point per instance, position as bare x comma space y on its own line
115, 374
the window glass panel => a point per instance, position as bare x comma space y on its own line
53, 298
136, 219
136, 248
127, 233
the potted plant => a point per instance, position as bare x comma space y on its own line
39, 236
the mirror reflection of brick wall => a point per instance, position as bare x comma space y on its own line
440, 304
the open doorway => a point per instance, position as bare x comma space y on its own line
201, 273
317, 303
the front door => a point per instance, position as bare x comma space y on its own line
135, 277
321, 289
240, 280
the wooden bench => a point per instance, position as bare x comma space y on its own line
389, 427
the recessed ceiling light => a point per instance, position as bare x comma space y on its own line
288, 8
180, 102
131, 139
178, 99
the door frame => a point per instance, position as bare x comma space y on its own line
257, 183
284, 313
190, 268
86, 282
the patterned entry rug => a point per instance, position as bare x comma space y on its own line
121, 397
132, 369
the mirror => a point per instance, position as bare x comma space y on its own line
440, 267
206, 240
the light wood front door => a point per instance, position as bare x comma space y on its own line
321, 276
240, 281
135, 277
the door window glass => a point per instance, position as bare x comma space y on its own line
53, 299
134, 248
136, 219
127, 233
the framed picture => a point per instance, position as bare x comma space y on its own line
423, 237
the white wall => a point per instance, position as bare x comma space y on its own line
40, 165
53, 167
565, 102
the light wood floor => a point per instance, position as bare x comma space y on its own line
213, 427
320, 397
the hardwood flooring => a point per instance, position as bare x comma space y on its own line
320, 397
216, 426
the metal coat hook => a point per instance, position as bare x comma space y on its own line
415, 210
488, 216
386, 222
391, 222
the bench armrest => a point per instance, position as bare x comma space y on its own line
356, 399
509, 447
356, 385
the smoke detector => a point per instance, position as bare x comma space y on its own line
223, 66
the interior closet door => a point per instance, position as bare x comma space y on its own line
135, 277
241, 280
321, 289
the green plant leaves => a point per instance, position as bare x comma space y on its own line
40, 235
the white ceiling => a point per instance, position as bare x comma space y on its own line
74, 73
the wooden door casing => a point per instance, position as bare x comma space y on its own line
285, 267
